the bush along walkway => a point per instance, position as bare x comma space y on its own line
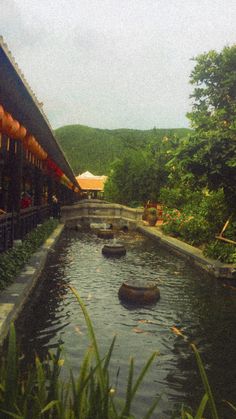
20, 269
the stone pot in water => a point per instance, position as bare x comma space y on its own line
114, 249
139, 292
105, 234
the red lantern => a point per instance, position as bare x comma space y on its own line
15, 126
6, 122
21, 133
1, 116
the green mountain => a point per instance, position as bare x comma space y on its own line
94, 149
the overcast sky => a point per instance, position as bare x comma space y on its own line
114, 63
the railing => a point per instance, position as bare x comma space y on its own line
94, 211
16, 226
6, 231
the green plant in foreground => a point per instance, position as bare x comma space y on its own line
40, 393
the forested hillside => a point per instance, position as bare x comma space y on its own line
95, 149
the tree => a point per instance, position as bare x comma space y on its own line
210, 153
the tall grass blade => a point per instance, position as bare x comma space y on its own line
11, 370
108, 356
152, 408
128, 400
41, 381
51, 405
92, 335
206, 384
142, 374
201, 407
231, 405
11, 415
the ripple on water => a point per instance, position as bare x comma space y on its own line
190, 300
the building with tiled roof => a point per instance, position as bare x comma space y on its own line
91, 185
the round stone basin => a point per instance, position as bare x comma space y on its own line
114, 249
139, 292
105, 234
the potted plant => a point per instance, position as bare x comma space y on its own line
152, 216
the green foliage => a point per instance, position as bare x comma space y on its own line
208, 157
199, 220
141, 174
179, 196
13, 260
95, 149
225, 252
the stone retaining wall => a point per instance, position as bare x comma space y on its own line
191, 253
95, 211
13, 298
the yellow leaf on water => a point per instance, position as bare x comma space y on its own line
177, 331
77, 329
137, 330
145, 321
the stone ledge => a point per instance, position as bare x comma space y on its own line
193, 254
13, 298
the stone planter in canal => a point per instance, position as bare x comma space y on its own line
152, 216
105, 234
139, 292
114, 250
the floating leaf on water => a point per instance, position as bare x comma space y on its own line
177, 331
137, 330
145, 321
78, 330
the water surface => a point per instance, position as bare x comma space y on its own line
201, 306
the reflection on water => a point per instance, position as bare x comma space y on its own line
200, 306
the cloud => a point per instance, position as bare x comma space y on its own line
114, 63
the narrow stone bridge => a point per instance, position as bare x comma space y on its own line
91, 211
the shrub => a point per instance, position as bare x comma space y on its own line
225, 252
179, 197
13, 260
198, 221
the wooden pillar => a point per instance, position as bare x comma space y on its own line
15, 173
38, 187
50, 189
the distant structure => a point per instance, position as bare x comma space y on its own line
91, 186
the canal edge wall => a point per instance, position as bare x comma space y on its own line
91, 211
14, 297
191, 253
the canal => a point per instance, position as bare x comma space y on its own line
202, 307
